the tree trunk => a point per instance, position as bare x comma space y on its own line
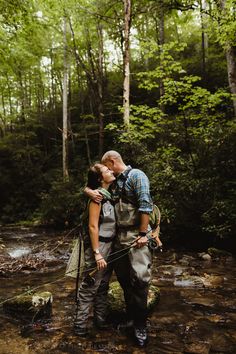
161, 43
126, 60
3, 116
65, 116
100, 90
231, 61
231, 65
204, 40
22, 97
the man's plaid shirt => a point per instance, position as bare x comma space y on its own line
136, 188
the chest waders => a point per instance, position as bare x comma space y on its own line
134, 269
95, 292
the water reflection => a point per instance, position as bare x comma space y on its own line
19, 252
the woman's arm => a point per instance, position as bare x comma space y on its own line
94, 214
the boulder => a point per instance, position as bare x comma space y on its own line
116, 298
205, 256
215, 252
30, 306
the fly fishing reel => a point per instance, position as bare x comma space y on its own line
153, 244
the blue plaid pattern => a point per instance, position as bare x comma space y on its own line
136, 188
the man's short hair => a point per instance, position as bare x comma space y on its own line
111, 154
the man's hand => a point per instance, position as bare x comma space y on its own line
141, 241
97, 197
94, 194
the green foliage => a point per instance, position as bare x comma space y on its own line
180, 128
182, 152
21, 177
224, 22
62, 205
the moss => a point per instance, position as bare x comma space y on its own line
116, 298
35, 305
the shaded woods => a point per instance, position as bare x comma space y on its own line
176, 121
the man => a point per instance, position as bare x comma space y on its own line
133, 205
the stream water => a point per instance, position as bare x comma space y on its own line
196, 312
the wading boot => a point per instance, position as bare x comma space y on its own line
126, 325
80, 331
101, 324
140, 336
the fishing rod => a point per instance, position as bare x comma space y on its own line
92, 270
152, 244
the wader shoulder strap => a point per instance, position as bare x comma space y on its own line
122, 192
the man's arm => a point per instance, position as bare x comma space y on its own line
142, 192
93, 194
144, 221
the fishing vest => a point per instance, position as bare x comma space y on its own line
107, 227
127, 214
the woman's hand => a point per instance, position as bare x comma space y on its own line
101, 263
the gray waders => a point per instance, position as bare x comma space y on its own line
96, 294
133, 271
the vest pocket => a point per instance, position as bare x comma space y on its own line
126, 214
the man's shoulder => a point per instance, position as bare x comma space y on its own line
137, 173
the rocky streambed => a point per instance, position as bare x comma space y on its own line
196, 312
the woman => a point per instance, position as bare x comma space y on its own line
101, 230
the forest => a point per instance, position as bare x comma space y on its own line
152, 79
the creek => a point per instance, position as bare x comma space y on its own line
196, 312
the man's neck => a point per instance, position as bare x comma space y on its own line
122, 169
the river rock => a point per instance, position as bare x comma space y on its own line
188, 281
30, 306
197, 348
212, 281
204, 256
116, 298
215, 252
186, 260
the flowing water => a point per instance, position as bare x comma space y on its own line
196, 312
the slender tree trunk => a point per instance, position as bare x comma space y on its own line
204, 40
65, 109
100, 90
126, 61
69, 114
161, 43
3, 116
9, 95
231, 62
22, 98
231, 65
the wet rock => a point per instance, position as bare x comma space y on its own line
212, 281
215, 252
171, 271
189, 281
117, 302
186, 260
222, 343
197, 348
41, 262
204, 256
30, 306
198, 300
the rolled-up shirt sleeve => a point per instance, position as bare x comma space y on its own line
141, 189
